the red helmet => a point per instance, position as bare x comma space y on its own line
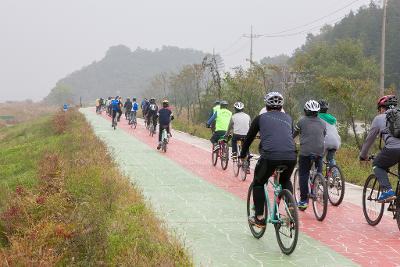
387, 101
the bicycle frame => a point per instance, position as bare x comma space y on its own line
277, 188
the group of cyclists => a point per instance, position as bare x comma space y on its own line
318, 138
152, 114
317, 132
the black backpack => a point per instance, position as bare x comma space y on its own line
393, 122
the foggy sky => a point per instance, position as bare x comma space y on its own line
42, 41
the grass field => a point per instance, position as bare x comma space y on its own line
63, 202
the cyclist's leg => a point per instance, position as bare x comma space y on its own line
262, 172
114, 114
304, 174
234, 144
385, 159
160, 128
319, 164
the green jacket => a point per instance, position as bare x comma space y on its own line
223, 119
328, 118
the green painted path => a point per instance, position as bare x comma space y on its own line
211, 222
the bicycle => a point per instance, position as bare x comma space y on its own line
335, 183
317, 188
132, 120
152, 128
372, 191
284, 215
114, 122
164, 140
239, 166
221, 152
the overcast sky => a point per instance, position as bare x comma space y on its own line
42, 41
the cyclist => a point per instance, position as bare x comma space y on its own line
109, 107
116, 108
390, 154
276, 148
152, 111
222, 118
332, 138
312, 131
98, 105
128, 108
240, 123
120, 108
143, 105
134, 109
165, 117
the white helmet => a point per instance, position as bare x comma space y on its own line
273, 99
239, 105
312, 105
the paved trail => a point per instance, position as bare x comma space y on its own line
206, 207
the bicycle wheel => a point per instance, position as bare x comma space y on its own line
287, 230
336, 185
164, 146
244, 169
373, 211
225, 155
319, 197
296, 185
256, 231
236, 166
214, 156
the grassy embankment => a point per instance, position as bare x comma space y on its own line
347, 156
63, 202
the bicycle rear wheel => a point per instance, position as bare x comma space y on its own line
287, 230
373, 211
236, 166
296, 185
336, 185
224, 155
256, 231
319, 197
214, 156
244, 169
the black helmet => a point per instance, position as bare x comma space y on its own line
224, 103
323, 106
217, 102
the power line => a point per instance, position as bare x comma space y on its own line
316, 20
232, 45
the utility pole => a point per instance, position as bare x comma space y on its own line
383, 44
251, 36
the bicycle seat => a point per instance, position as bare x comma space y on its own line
280, 168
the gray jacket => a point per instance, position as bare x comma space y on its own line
312, 132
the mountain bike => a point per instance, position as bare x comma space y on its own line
283, 216
317, 188
239, 166
164, 140
335, 183
133, 120
372, 209
222, 152
152, 128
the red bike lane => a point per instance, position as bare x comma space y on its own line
344, 229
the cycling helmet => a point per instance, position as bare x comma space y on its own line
224, 103
152, 100
387, 101
312, 105
239, 105
274, 100
165, 103
133, 98
324, 106
217, 102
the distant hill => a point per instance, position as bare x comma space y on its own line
121, 72
365, 25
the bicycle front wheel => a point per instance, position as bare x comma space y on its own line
373, 211
319, 194
257, 232
214, 156
244, 169
287, 230
336, 185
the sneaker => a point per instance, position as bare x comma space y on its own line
259, 223
302, 205
387, 196
159, 146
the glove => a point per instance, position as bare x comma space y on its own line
362, 159
172, 117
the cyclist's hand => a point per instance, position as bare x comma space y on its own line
362, 159
207, 125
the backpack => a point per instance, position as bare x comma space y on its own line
393, 122
153, 107
115, 104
